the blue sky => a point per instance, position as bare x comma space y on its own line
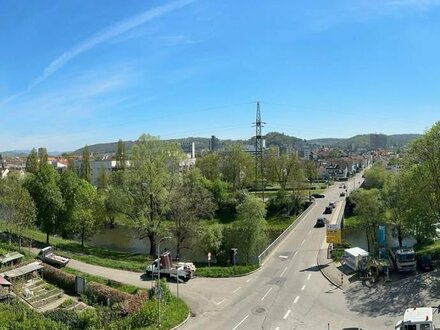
85, 72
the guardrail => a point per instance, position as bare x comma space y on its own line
286, 232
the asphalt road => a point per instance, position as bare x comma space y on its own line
289, 291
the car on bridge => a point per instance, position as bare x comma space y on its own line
320, 222
318, 195
342, 194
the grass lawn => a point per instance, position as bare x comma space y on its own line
204, 270
92, 255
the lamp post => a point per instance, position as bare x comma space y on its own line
158, 290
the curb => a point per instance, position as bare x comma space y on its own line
183, 322
325, 275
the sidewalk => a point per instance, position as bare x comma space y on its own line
332, 271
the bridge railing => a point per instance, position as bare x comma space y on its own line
263, 255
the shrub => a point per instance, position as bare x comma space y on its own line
133, 304
59, 278
99, 293
67, 317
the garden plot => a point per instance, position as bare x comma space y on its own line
40, 294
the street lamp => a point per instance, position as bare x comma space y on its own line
158, 290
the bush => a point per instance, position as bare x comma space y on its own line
67, 317
59, 278
133, 304
99, 293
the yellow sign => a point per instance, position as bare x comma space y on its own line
334, 234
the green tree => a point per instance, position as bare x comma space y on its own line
209, 165
395, 199
42, 154
44, 190
211, 238
144, 191
369, 208
121, 156
103, 180
376, 176
86, 215
32, 162
251, 227
425, 152
16, 206
86, 171
238, 168
191, 201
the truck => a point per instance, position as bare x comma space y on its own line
417, 318
181, 270
48, 256
403, 258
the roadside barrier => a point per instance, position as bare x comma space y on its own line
263, 255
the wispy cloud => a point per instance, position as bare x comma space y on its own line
100, 37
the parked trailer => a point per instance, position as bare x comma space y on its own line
356, 258
181, 270
48, 256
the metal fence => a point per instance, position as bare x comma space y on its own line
263, 255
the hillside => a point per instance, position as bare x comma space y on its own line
275, 139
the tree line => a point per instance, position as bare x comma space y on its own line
406, 200
155, 196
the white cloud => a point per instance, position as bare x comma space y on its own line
102, 36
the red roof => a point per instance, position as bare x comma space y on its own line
4, 282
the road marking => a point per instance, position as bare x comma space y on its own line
283, 257
282, 273
303, 242
296, 300
287, 314
294, 254
303, 287
277, 328
218, 303
248, 280
241, 322
266, 294
237, 289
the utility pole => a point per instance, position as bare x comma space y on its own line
259, 170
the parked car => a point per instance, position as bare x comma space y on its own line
342, 194
424, 262
332, 204
318, 195
320, 222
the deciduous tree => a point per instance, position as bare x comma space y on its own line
16, 206
44, 190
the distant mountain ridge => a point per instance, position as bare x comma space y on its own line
272, 139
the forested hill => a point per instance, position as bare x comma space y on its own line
272, 138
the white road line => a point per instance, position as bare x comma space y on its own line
296, 300
303, 242
241, 322
303, 287
282, 273
277, 328
287, 314
237, 289
218, 303
250, 279
266, 294
294, 254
